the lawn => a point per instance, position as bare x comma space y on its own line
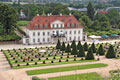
61, 69
85, 76
22, 23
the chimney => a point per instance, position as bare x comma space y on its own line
60, 14
70, 14
37, 14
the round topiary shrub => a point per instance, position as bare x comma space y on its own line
27, 63
74, 55
31, 59
54, 57
21, 57
39, 59
62, 54
46, 58
14, 58
35, 63
11, 55
61, 57
52, 61
67, 60
68, 56
18, 64
59, 60
49, 55
82, 59
74, 59
23, 60
43, 62
16, 61
55, 54
42, 55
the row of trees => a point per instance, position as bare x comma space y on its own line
80, 49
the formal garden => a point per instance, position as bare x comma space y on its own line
60, 54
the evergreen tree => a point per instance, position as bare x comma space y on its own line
111, 52
73, 43
68, 49
89, 55
85, 46
81, 52
63, 47
58, 46
90, 11
93, 48
100, 50
74, 50
79, 45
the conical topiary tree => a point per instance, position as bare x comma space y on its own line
111, 52
100, 50
89, 55
81, 52
79, 45
58, 45
63, 47
85, 46
74, 50
73, 43
93, 48
68, 49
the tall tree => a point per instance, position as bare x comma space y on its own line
85, 46
79, 45
63, 47
74, 50
81, 52
90, 11
58, 46
73, 43
101, 50
68, 49
8, 17
93, 48
89, 55
111, 52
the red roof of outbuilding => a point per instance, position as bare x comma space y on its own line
103, 12
66, 19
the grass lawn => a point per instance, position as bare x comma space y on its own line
61, 69
85, 76
22, 23
48, 64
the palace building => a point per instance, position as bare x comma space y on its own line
50, 28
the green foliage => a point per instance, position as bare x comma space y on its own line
90, 11
20, 30
101, 51
73, 43
111, 52
85, 46
74, 50
81, 52
89, 55
22, 23
93, 48
58, 46
79, 45
8, 17
68, 49
63, 48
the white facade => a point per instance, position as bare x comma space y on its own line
42, 36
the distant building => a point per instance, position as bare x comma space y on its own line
50, 28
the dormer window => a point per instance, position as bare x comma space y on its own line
72, 25
70, 20
38, 20
41, 26
68, 25
46, 20
46, 26
77, 25
36, 26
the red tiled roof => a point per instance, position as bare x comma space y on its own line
66, 19
103, 12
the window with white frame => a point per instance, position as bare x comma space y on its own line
43, 39
68, 25
79, 32
33, 40
38, 40
38, 33
43, 33
33, 33
46, 26
36, 26
41, 26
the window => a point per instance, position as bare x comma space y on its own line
70, 38
77, 25
79, 38
38, 20
61, 25
70, 32
36, 26
79, 32
48, 39
74, 38
43, 33
33, 33
38, 33
68, 25
74, 32
43, 39
66, 32
46, 26
72, 25
38, 40
48, 33
33, 40
57, 25
53, 26
41, 26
